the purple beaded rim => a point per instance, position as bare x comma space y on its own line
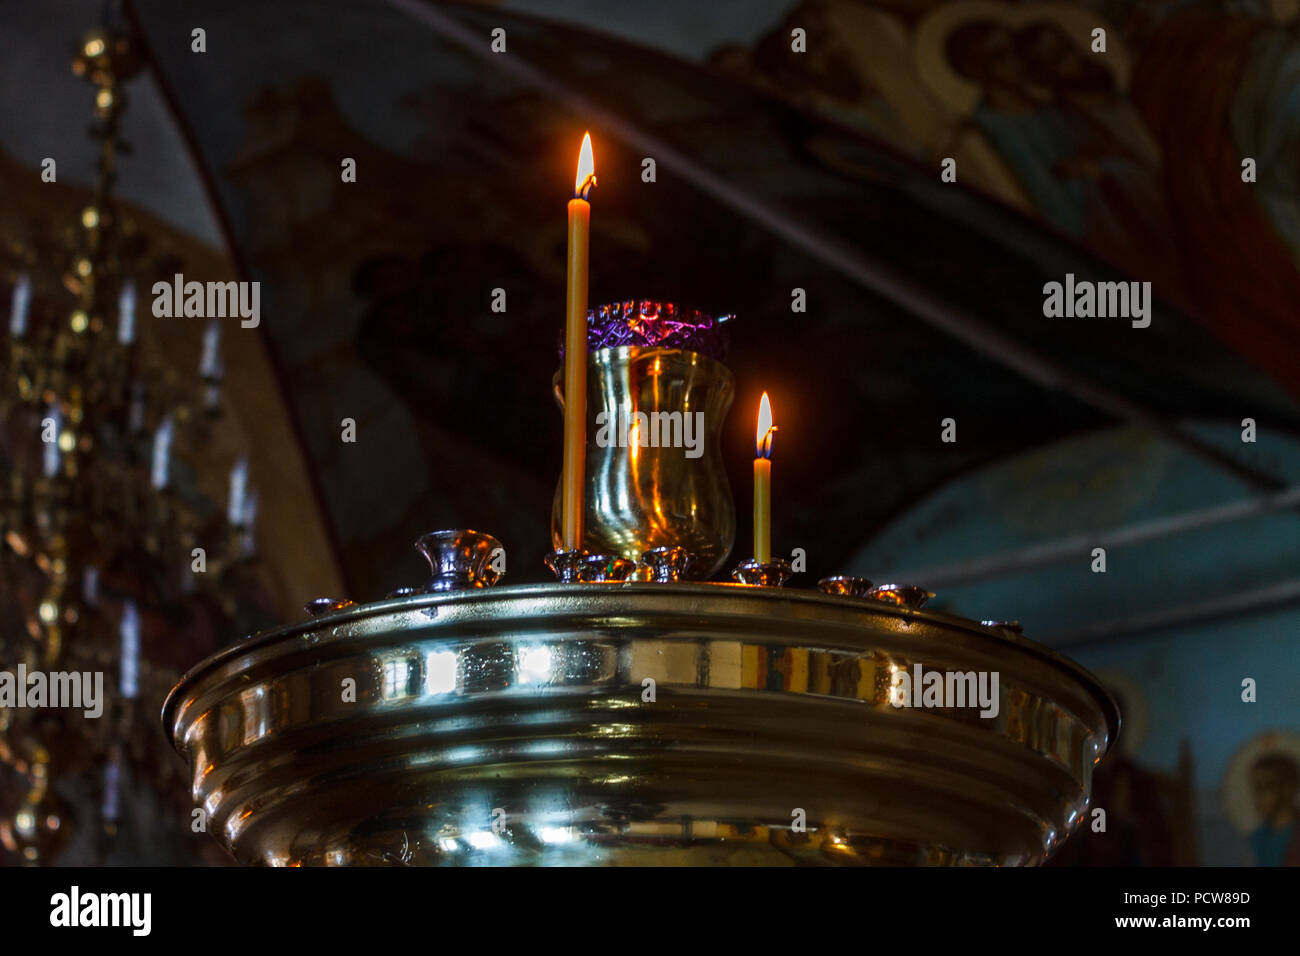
645, 322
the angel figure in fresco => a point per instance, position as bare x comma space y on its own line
860, 69
1058, 115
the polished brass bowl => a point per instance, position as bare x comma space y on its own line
638, 723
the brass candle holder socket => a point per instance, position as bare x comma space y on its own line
460, 559
845, 586
904, 595
665, 565
324, 605
773, 574
583, 567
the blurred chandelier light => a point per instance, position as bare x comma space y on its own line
95, 533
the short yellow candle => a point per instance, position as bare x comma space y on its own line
575, 353
763, 483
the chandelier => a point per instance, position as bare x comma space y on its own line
98, 535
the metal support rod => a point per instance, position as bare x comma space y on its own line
1081, 545
1197, 613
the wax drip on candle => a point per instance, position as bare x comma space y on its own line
126, 314
18, 306
162, 450
130, 632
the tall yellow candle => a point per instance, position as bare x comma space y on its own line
763, 483
575, 353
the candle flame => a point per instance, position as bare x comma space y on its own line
763, 439
586, 177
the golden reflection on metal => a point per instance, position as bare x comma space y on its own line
641, 723
639, 497
904, 595
461, 558
763, 574
324, 605
845, 585
601, 568
666, 565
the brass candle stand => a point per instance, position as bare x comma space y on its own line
630, 713
607, 722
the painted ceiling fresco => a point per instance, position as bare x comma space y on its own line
380, 290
